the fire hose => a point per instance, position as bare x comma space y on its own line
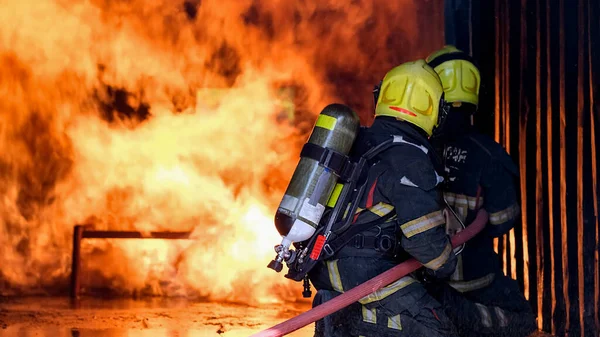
370, 286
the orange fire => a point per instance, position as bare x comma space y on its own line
169, 115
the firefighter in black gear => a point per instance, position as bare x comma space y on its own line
403, 203
479, 298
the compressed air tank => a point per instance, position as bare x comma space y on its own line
312, 183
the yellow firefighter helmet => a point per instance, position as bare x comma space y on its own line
411, 92
459, 75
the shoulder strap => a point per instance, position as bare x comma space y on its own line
355, 175
346, 230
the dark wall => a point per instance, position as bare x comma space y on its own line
540, 63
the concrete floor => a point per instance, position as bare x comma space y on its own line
89, 317
58, 317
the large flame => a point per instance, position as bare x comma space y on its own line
170, 115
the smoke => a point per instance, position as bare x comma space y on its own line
173, 115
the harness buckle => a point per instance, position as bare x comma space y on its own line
385, 243
327, 249
359, 241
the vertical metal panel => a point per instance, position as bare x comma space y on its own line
546, 109
563, 164
550, 167
595, 280
521, 245
504, 128
539, 170
589, 114
497, 100
580, 154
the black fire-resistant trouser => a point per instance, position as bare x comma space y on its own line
401, 309
498, 310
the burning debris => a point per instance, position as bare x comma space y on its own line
106, 121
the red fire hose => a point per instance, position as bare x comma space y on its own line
368, 287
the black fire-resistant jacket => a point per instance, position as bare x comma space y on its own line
406, 180
479, 173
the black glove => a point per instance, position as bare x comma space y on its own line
425, 275
432, 284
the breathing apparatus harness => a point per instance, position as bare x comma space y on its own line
337, 228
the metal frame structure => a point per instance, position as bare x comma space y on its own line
81, 232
